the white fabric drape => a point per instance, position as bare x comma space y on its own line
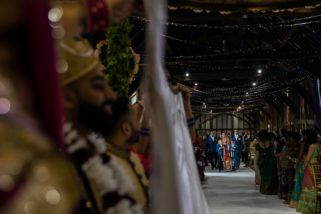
175, 183
319, 93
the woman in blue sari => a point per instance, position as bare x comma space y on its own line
295, 197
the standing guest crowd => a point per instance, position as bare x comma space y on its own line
289, 167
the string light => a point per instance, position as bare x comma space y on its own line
219, 52
280, 24
274, 83
196, 84
182, 41
212, 68
301, 56
192, 43
186, 74
55, 14
261, 90
250, 10
254, 84
254, 94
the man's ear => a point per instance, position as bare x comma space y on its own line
69, 99
126, 128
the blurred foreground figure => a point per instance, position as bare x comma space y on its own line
34, 177
110, 187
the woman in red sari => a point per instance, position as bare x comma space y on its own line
226, 142
308, 203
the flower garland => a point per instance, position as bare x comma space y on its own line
104, 175
126, 155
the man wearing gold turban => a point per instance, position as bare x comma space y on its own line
87, 106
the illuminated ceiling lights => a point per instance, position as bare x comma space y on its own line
186, 74
196, 84
254, 84
259, 71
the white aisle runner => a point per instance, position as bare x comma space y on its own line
236, 193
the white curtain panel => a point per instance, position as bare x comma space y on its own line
175, 183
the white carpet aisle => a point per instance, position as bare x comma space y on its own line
236, 193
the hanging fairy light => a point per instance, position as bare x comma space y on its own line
309, 5
258, 93
280, 24
55, 14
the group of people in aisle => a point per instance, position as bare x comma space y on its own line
285, 165
225, 151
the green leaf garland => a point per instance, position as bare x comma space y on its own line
119, 58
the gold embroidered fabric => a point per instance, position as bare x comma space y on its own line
48, 183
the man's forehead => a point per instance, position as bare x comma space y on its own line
95, 73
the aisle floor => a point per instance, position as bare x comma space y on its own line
236, 193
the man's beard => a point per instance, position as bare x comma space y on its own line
96, 118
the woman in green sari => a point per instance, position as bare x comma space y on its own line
267, 164
308, 200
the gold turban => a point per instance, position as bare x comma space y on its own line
77, 60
